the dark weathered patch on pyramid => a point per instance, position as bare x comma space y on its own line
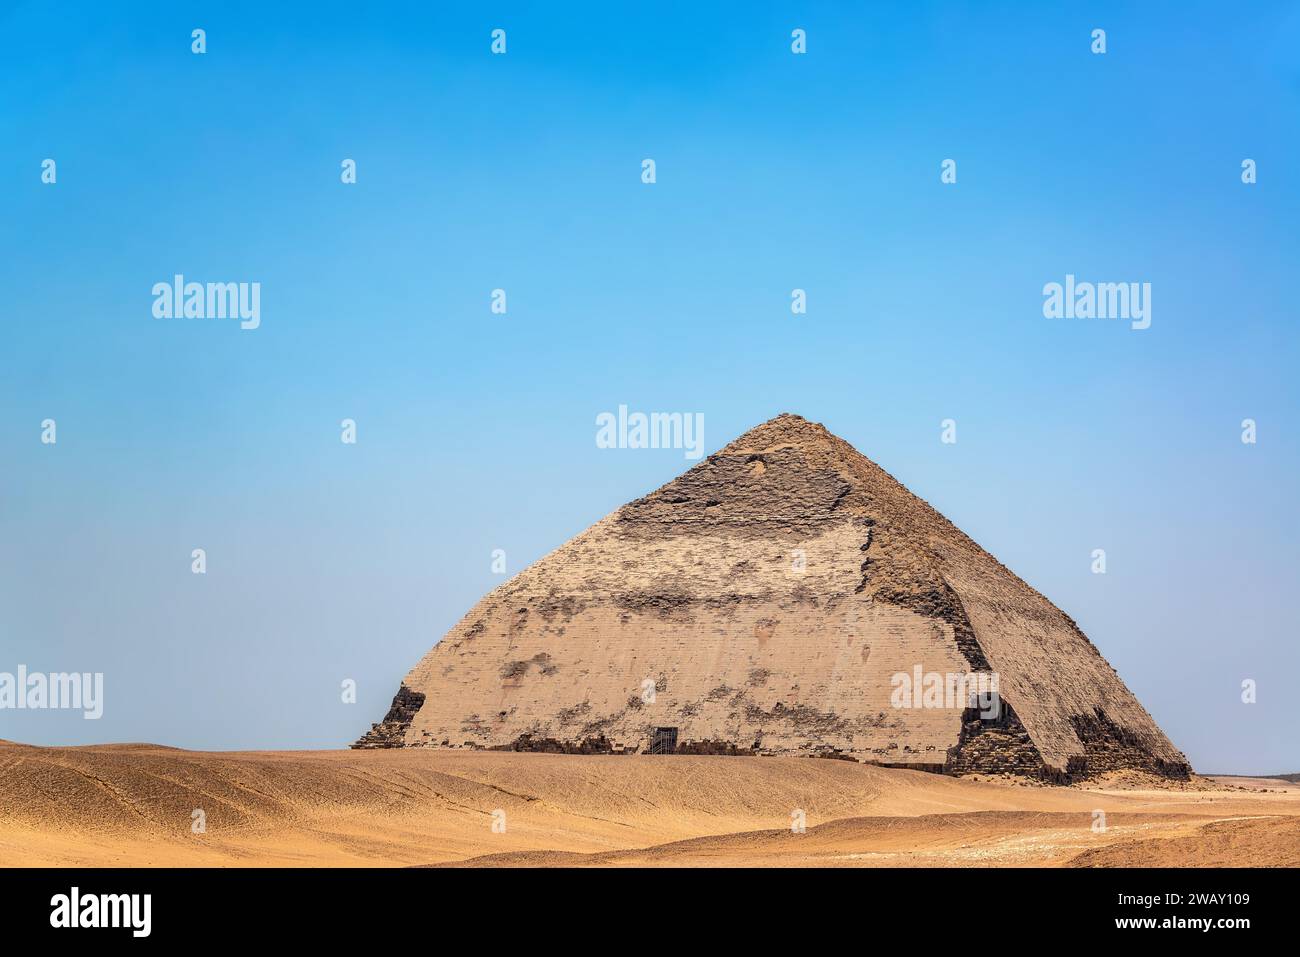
756, 496
767, 601
391, 732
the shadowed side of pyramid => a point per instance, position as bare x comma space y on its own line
786, 595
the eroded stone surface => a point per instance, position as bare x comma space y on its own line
696, 591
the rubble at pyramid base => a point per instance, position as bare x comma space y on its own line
984, 748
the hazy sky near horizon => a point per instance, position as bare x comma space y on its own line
522, 172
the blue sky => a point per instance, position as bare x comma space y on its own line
522, 172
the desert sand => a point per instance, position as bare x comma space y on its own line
134, 805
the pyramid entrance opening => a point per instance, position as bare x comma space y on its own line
663, 741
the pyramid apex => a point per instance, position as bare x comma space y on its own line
786, 428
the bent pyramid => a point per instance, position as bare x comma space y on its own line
768, 601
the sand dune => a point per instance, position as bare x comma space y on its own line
135, 804
1001, 838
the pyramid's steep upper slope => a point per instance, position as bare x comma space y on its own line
767, 600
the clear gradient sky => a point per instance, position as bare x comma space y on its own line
523, 172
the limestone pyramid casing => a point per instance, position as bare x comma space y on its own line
688, 609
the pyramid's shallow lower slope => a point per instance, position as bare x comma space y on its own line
766, 601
